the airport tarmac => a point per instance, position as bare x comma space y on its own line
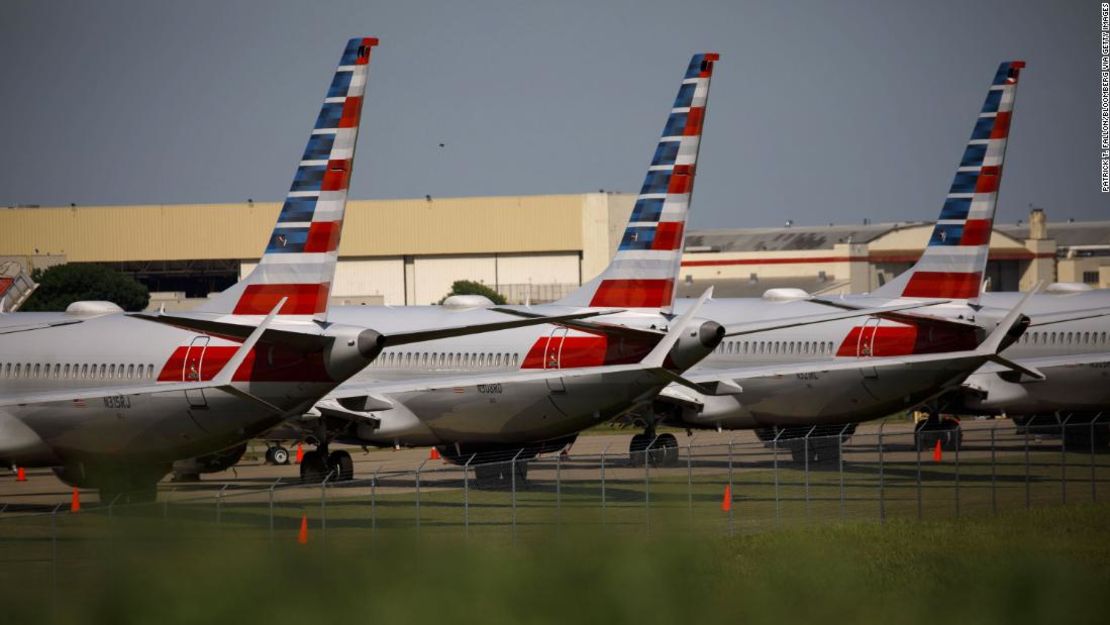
42, 490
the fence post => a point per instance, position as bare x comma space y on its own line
559, 487
994, 472
466, 493
647, 480
775, 461
418, 470
272, 487
1027, 424
805, 448
917, 449
1094, 495
54, 557
512, 475
731, 445
959, 443
690, 475
219, 503
374, 499
840, 467
1064, 460
324, 504
882, 490
166, 502
603, 452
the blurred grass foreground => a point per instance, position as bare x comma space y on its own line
1044, 565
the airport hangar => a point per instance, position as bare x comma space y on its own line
537, 248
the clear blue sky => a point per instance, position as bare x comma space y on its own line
820, 112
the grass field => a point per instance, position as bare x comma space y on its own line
1049, 564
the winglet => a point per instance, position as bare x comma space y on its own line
993, 343
225, 375
657, 355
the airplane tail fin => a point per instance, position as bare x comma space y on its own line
300, 257
955, 259
642, 273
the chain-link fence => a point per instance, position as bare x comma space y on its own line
718, 483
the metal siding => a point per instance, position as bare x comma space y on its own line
217, 231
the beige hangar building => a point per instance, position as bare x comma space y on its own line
529, 248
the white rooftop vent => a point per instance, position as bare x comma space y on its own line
784, 295
1065, 288
463, 302
90, 308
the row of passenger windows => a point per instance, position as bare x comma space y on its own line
101, 371
804, 348
445, 360
1063, 338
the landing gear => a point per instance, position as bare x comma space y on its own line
937, 428
277, 455
318, 464
313, 467
341, 466
659, 450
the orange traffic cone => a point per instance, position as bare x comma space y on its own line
434, 454
75, 501
726, 501
20, 475
936, 452
300, 453
302, 536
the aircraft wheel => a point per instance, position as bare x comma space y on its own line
665, 452
278, 455
341, 466
313, 467
637, 449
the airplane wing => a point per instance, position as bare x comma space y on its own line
727, 381
1049, 362
38, 326
221, 381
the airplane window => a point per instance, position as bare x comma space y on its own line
1086, 337
481, 360
17, 369
130, 371
7, 370
498, 363
37, 370
1069, 338
112, 371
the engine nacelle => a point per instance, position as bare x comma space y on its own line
696, 343
351, 349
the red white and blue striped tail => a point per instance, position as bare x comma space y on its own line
955, 259
642, 274
299, 260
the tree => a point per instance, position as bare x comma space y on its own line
61, 285
469, 287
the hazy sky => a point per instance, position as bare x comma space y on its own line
820, 111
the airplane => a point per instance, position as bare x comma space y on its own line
110, 400
1036, 365
507, 417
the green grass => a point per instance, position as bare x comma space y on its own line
1019, 567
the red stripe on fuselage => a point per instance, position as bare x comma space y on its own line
584, 351
304, 299
634, 293
276, 364
902, 340
943, 284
